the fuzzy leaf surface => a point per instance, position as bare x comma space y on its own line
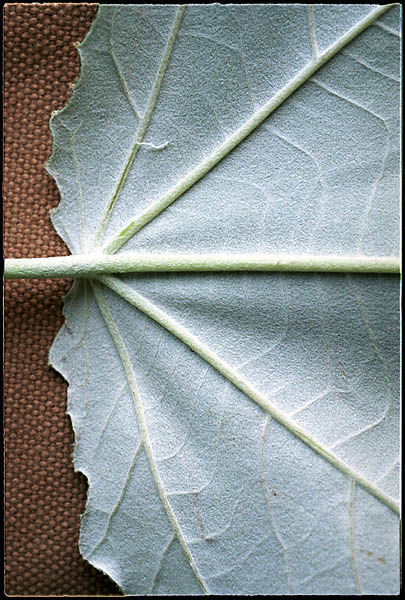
239, 431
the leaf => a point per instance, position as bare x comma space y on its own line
239, 431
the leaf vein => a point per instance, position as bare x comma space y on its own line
242, 384
239, 135
120, 73
119, 502
126, 362
143, 126
269, 504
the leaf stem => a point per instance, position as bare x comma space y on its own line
94, 264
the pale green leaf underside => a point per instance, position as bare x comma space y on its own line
239, 431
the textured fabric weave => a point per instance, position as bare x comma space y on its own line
44, 497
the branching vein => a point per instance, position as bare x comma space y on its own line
240, 134
126, 292
119, 502
143, 125
126, 362
268, 502
120, 73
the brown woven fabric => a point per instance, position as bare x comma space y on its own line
44, 497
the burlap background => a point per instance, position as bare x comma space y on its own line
44, 497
